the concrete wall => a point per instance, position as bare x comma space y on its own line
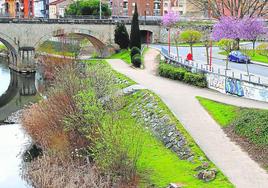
237, 87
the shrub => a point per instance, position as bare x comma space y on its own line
134, 51
179, 73
136, 60
50, 171
168, 71
121, 36
252, 124
262, 49
118, 147
196, 79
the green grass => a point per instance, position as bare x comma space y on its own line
57, 48
223, 114
123, 55
248, 123
257, 57
2, 47
163, 166
117, 74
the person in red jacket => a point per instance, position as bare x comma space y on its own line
189, 57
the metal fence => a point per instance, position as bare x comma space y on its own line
205, 69
220, 81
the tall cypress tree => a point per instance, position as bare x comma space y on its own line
135, 35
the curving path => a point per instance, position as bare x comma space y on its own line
241, 170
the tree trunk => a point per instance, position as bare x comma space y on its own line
254, 43
207, 52
238, 44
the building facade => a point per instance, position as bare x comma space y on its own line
19, 8
145, 7
57, 8
182, 7
41, 8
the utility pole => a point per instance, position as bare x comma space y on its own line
100, 10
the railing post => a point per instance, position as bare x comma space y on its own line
259, 80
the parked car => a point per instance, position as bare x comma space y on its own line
239, 57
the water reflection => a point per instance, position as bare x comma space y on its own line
17, 90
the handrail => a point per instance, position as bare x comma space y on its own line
193, 66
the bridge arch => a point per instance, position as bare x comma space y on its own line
146, 36
11, 46
95, 41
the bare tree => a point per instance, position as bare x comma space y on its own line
236, 8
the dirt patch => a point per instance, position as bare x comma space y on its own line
257, 153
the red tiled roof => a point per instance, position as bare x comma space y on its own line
56, 2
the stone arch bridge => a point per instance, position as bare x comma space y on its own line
22, 37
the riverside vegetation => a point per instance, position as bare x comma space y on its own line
91, 133
246, 126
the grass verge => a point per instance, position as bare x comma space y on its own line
162, 165
123, 55
246, 126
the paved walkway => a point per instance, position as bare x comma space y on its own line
241, 170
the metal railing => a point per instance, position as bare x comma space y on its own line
206, 69
67, 20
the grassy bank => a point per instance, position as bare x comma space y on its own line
86, 122
163, 165
57, 48
123, 55
244, 125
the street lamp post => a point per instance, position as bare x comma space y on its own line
100, 10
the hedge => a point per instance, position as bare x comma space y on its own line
182, 74
136, 60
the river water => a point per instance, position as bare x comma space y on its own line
15, 91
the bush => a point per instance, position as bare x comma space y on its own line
179, 73
136, 60
121, 36
252, 124
134, 51
195, 79
168, 71
262, 49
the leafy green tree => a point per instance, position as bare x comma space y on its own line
88, 7
227, 45
262, 49
191, 37
135, 35
121, 36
